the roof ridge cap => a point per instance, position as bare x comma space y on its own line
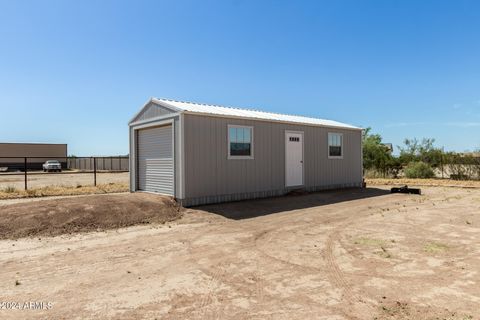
246, 109
211, 105
257, 110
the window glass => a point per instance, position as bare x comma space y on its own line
240, 135
246, 135
240, 141
232, 134
335, 145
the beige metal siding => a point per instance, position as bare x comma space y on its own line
208, 172
155, 160
152, 110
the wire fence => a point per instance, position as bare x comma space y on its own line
27, 172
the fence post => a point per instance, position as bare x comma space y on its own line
94, 171
441, 162
25, 169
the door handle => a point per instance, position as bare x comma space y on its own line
301, 161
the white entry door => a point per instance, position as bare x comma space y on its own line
293, 159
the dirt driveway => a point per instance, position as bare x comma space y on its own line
354, 254
41, 179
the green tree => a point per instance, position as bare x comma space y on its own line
377, 156
421, 151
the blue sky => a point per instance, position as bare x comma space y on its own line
76, 71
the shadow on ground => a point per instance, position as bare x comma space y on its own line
255, 208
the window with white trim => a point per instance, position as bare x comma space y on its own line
335, 145
240, 142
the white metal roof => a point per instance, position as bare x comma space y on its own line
248, 113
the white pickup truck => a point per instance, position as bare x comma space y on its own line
52, 165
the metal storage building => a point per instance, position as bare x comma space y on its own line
202, 154
50, 151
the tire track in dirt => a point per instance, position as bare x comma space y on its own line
216, 277
216, 272
276, 259
337, 277
335, 274
263, 238
267, 238
259, 285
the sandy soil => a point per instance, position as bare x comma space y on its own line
424, 182
354, 254
41, 179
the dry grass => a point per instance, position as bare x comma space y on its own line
435, 247
425, 182
378, 243
370, 242
12, 193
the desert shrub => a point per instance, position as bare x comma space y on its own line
419, 170
421, 150
463, 167
9, 189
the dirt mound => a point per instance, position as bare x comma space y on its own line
85, 213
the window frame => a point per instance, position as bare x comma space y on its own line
234, 157
341, 145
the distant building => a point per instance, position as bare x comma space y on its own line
47, 151
389, 147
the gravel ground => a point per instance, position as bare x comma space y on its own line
41, 179
352, 254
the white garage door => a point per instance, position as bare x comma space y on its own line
155, 160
